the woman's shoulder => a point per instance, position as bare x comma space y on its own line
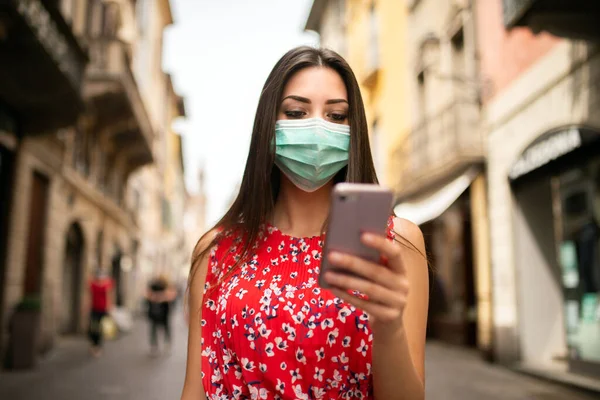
408, 231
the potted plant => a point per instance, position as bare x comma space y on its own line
24, 331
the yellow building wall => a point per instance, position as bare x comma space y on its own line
385, 90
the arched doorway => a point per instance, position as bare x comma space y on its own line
72, 279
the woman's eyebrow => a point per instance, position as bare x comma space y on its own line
336, 101
297, 98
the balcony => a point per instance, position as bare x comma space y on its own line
119, 113
574, 19
439, 147
42, 66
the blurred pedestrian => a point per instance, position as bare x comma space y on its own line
160, 296
260, 325
100, 293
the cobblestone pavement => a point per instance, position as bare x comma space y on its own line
126, 371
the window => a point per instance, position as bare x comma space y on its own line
459, 72
373, 60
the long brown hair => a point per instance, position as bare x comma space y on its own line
260, 184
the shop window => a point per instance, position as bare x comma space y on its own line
579, 259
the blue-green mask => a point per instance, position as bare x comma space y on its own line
311, 151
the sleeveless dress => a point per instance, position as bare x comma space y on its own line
270, 332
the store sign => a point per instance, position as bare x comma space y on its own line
542, 152
55, 43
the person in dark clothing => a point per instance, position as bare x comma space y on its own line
160, 296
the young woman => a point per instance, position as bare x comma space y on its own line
260, 325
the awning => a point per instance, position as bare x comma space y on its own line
430, 206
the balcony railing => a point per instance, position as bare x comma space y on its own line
41, 66
440, 145
111, 85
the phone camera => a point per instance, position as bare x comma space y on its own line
343, 197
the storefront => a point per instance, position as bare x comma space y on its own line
556, 187
453, 232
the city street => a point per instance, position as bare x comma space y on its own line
126, 371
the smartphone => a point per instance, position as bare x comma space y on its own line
355, 209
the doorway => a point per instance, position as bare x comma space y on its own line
37, 228
72, 279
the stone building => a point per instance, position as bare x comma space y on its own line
542, 118
75, 124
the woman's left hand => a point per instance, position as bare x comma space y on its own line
384, 285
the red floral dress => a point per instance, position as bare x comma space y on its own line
270, 332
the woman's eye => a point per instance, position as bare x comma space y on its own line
338, 117
294, 114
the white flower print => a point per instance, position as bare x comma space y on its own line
305, 308
343, 358
300, 356
295, 374
363, 348
291, 331
281, 344
263, 331
332, 336
300, 395
343, 313
319, 374
320, 354
298, 318
346, 341
318, 393
289, 307
256, 393
280, 386
281, 274
304, 247
289, 291
326, 323
260, 283
216, 377
269, 350
237, 391
247, 364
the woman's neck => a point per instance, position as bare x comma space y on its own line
299, 213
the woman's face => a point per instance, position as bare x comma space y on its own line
315, 92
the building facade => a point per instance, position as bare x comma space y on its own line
442, 180
543, 126
74, 126
416, 65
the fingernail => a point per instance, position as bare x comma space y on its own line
335, 257
368, 237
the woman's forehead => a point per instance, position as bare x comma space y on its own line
316, 83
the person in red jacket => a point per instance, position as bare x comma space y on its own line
100, 293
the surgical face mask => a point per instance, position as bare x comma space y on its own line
311, 151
